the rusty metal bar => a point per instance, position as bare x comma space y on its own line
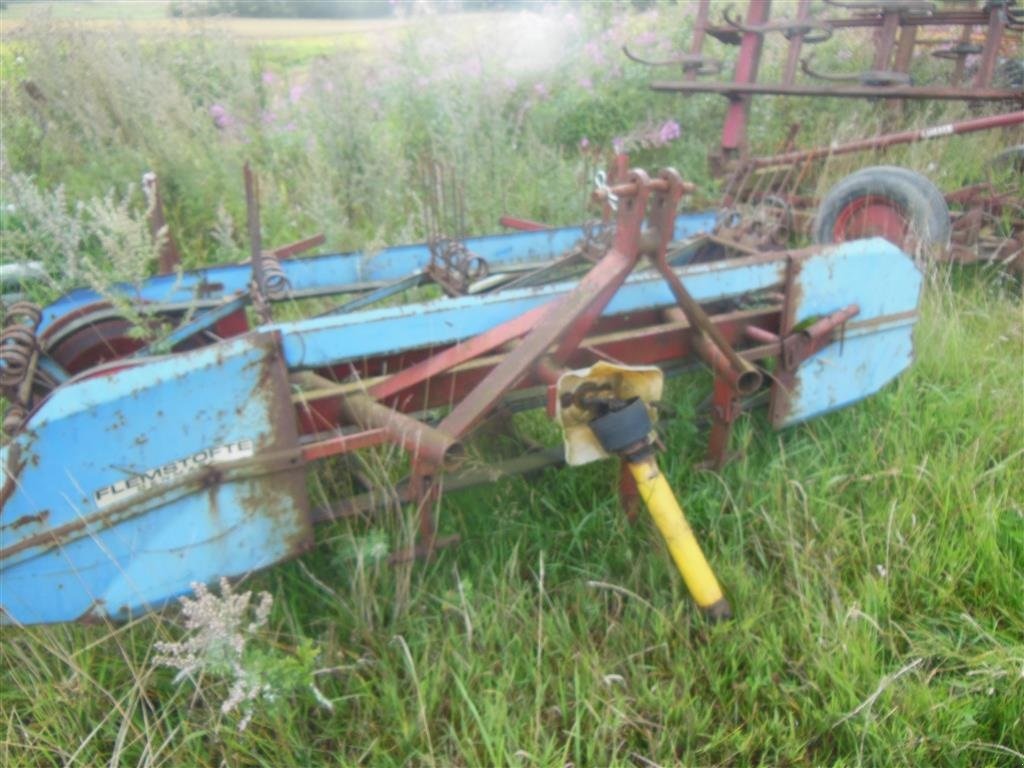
570, 316
458, 354
890, 139
761, 335
420, 440
345, 444
826, 325
885, 40
937, 19
961, 61
796, 42
168, 259
300, 246
993, 39
252, 211
709, 344
733, 90
699, 26
523, 225
734, 128
797, 347
905, 49
723, 368
724, 410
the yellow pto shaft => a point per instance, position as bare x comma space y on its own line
682, 544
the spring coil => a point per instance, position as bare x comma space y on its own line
275, 283
14, 419
17, 344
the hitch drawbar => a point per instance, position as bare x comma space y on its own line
611, 402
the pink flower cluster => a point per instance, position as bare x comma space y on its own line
648, 137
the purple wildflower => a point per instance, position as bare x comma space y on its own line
669, 131
584, 142
268, 77
541, 90
221, 117
295, 93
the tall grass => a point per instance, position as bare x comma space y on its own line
874, 557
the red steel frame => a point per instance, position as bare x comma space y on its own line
475, 375
895, 42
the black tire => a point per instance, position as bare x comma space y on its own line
911, 196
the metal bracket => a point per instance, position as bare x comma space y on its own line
820, 31
690, 62
871, 77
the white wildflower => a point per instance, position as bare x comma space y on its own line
225, 642
219, 629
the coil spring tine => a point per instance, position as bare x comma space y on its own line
23, 313
275, 282
17, 344
14, 418
18, 350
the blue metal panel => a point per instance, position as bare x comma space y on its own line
877, 344
338, 272
132, 485
322, 341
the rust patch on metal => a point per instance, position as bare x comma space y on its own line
39, 517
94, 614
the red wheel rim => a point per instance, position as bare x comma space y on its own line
871, 216
101, 342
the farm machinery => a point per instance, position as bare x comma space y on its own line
973, 54
138, 464
162, 435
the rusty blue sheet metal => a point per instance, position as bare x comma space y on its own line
873, 347
319, 341
128, 487
338, 272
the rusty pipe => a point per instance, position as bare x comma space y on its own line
742, 382
423, 442
891, 139
826, 325
761, 335
743, 377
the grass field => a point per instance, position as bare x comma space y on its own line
874, 557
